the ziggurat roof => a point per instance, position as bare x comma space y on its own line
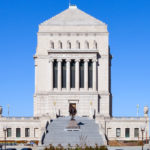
72, 17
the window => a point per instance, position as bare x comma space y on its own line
95, 45
118, 132
127, 132
63, 74
136, 132
78, 45
8, 132
86, 45
55, 74
60, 45
35, 132
90, 74
69, 45
82, 74
18, 132
52, 45
27, 132
72, 74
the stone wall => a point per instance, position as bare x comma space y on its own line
35, 125
109, 126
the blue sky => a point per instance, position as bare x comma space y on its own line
129, 26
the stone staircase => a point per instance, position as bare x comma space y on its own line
56, 133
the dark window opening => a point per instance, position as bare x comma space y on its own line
90, 74
82, 74
127, 132
27, 132
72, 74
18, 132
63, 74
9, 132
55, 74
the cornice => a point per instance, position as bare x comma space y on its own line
72, 33
66, 93
73, 51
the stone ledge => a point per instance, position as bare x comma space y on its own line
73, 51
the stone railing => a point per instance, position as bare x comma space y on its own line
19, 118
128, 118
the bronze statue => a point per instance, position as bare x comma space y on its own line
72, 111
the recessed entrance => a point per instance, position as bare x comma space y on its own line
72, 105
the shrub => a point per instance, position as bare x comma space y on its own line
59, 147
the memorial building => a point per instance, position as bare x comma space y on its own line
73, 69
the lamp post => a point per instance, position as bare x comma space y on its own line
142, 130
5, 130
137, 109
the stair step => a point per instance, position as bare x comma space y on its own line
88, 133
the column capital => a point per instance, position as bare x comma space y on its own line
86, 60
94, 60
59, 60
68, 60
77, 60
51, 60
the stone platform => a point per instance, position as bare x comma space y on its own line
87, 133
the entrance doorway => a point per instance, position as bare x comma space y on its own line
72, 109
72, 105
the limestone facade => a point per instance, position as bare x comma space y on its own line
74, 37
79, 42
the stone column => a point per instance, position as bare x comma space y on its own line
51, 74
94, 74
59, 74
86, 74
68, 74
77, 81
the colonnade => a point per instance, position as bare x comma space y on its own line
77, 74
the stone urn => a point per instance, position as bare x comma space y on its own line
1, 110
146, 110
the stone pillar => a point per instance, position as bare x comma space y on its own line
68, 74
86, 74
59, 74
77, 81
51, 74
36, 76
94, 74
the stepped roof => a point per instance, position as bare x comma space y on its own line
73, 17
